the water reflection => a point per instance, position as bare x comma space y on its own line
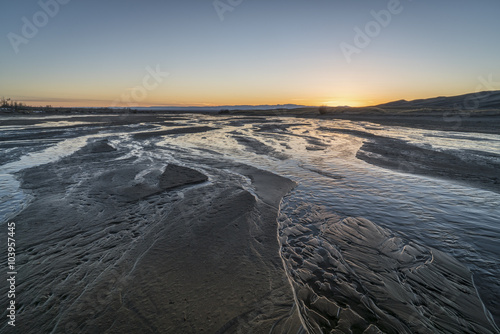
458, 220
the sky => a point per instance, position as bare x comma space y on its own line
245, 52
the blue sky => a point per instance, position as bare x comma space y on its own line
100, 53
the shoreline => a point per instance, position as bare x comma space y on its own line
136, 226
483, 121
151, 258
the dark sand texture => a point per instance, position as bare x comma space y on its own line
140, 233
152, 134
352, 276
103, 251
479, 169
176, 176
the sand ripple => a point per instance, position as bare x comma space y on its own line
352, 276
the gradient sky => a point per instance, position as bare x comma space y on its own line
97, 53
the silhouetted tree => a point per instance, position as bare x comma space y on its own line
4, 102
323, 110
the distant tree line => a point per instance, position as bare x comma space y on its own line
9, 103
14, 105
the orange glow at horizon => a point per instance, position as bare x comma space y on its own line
177, 93
336, 101
83, 103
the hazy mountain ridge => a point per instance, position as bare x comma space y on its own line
226, 107
480, 100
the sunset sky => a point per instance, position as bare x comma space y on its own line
233, 52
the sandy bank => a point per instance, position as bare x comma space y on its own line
352, 276
115, 245
479, 169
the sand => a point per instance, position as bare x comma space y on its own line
479, 169
151, 134
356, 277
117, 241
104, 251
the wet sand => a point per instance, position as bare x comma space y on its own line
112, 243
474, 168
356, 277
482, 122
103, 251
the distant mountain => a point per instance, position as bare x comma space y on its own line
218, 108
481, 100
